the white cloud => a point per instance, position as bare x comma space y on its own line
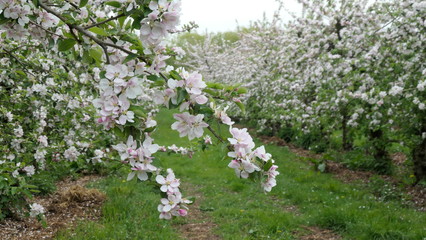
223, 15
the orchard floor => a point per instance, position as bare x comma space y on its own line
305, 205
70, 204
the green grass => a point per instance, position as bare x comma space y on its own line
239, 207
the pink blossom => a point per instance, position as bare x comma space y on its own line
243, 168
241, 138
189, 125
168, 184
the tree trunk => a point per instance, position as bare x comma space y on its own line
379, 151
419, 158
346, 143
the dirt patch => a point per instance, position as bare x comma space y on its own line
198, 224
347, 175
319, 234
418, 195
72, 202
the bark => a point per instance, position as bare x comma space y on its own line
419, 158
379, 151
347, 144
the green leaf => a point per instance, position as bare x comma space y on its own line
118, 132
113, 4
211, 92
242, 90
83, 3
154, 78
175, 75
137, 21
156, 81
66, 44
87, 58
214, 85
182, 94
99, 31
121, 20
151, 129
267, 165
241, 106
138, 110
130, 57
3, 19
96, 53
20, 72
192, 199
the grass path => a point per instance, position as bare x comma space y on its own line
198, 224
303, 202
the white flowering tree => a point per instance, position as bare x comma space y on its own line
67, 65
351, 66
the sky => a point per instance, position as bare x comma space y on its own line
223, 15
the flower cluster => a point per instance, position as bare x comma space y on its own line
163, 19
189, 125
245, 160
119, 86
21, 12
175, 149
173, 204
140, 159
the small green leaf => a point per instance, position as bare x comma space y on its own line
211, 92
83, 3
154, 78
175, 75
86, 57
241, 106
99, 31
122, 20
66, 44
182, 94
130, 57
267, 165
214, 85
118, 132
96, 53
192, 199
113, 4
20, 72
242, 90
138, 110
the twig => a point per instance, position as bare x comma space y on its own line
162, 75
218, 137
46, 30
105, 21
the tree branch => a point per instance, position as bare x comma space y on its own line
46, 30
105, 21
87, 34
218, 137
